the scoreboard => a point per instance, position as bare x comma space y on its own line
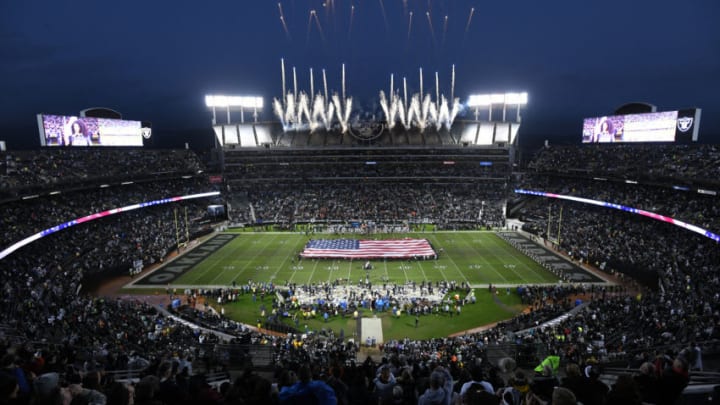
666, 126
62, 130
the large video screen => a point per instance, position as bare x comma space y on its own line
62, 130
666, 126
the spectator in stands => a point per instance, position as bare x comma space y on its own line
384, 384
478, 377
9, 388
440, 390
563, 396
647, 383
170, 391
549, 366
596, 390
10, 364
543, 384
673, 381
624, 392
47, 390
693, 355
118, 393
520, 383
408, 385
575, 381
146, 391
81, 394
477, 395
307, 390
200, 392
338, 385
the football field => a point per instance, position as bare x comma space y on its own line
475, 257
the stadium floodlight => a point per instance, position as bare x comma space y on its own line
227, 102
516, 98
479, 100
497, 98
489, 100
233, 101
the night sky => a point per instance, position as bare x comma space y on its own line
155, 60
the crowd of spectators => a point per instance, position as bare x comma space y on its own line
58, 340
696, 163
448, 187
446, 205
412, 171
680, 266
26, 172
686, 205
24, 218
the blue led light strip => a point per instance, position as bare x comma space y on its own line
98, 215
704, 232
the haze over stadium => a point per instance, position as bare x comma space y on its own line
575, 60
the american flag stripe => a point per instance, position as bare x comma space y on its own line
367, 249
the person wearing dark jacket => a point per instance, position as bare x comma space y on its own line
624, 392
575, 381
673, 381
647, 383
307, 391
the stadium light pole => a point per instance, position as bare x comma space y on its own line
477, 101
497, 99
518, 100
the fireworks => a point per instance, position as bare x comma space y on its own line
409, 25
432, 30
284, 24
298, 110
469, 20
445, 28
344, 29
352, 16
314, 18
384, 14
341, 20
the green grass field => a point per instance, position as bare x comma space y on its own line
477, 258
485, 311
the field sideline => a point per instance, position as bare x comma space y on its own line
475, 257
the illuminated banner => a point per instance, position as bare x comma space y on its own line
61, 130
666, 126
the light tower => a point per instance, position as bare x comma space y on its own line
228, 102
489, 100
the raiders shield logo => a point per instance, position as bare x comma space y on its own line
684, 123
367, 130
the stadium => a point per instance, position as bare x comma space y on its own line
324, 251
416, 244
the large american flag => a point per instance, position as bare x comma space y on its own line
367, 249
